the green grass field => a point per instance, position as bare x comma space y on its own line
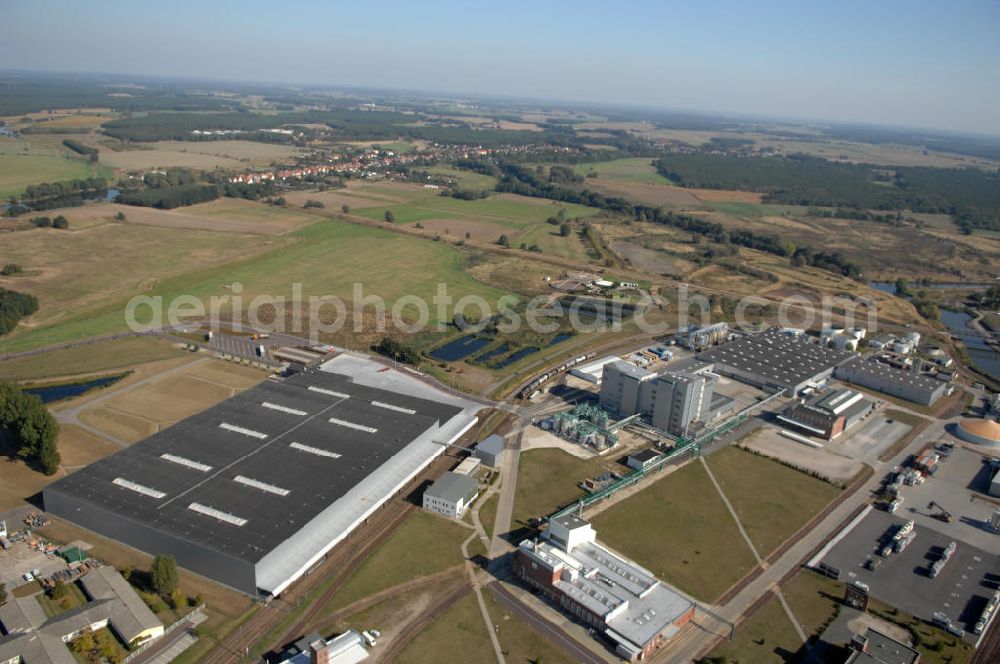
765, 637
90, 358
627, 170
327, 258
518, 641
754, 210
465, 179
17, 171
423, 545
679, 529
547, 479
772, 500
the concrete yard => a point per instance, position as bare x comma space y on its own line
960, 591
20, 558
769, 442
870, 437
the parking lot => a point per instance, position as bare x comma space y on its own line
959, 486
960, 591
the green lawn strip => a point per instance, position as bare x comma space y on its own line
679, 528
772, 500
519, 642
89, 358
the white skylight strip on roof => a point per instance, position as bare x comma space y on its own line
218, 514
382, 404
138, 488
245, 432
352, 425
331, 393
263, 486
314, 450
173, 458
283, 409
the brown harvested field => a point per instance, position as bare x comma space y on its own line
255, 216
335, 199
131, 412
727, 195
649, 194
78, 447
121, 426
233, 375
171, 398
229, 216
457, 228
651, 260
200, 154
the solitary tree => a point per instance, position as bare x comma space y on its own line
390, 217
565, 230
164, 574
345, 208
504, 242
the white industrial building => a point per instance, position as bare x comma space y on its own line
451, 495
593, 372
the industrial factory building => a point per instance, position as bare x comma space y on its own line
674, 401
602, 589
255, 491
451, 495
902, 383
829, 414
776, 361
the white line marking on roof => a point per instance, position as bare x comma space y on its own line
218, 514
138, 488
382, 404
331, 393
283, 409
263, 486
245, 432
196, 465
314, 450
352, 425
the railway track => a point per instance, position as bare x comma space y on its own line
343, 560
425, 619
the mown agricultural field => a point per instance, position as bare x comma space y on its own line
628, 170
17, 171
327, 258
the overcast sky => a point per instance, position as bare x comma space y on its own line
917, 63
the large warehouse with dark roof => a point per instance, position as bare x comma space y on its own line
254, 491
775, 361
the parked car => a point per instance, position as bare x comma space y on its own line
28, 576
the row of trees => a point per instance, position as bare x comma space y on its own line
85, 150
167, 198
13, 305
33, 428
971, 195
527, 182
47, 190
